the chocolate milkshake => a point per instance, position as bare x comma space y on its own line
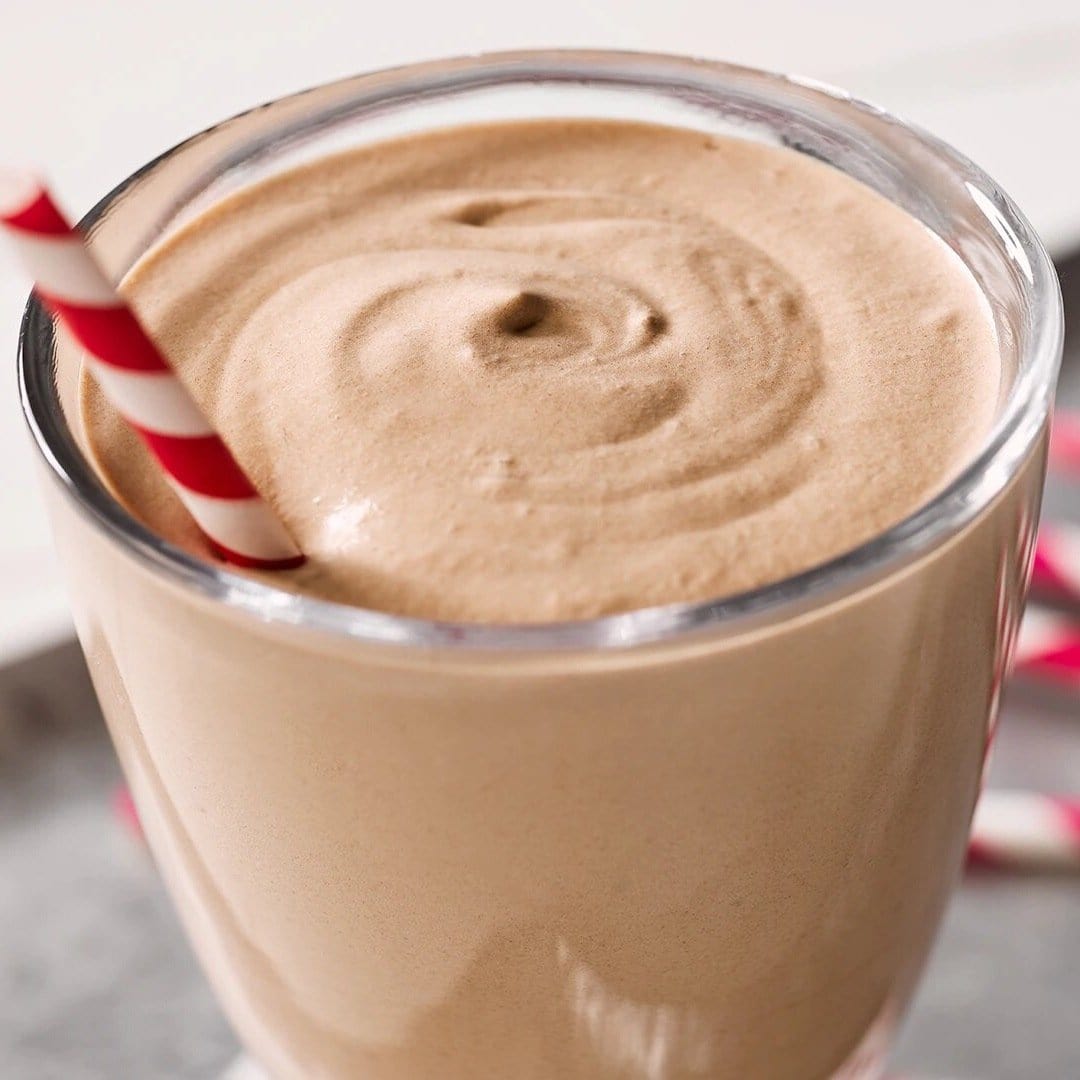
554, 370
540, 371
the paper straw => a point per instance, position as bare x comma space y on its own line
1056, 569
1023, 830
1048, 647
127, 814
140, 383
1065, 442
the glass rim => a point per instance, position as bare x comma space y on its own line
1002, 453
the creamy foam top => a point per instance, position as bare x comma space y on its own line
558, 369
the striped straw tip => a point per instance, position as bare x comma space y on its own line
19, 189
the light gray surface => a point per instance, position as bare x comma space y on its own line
96, 982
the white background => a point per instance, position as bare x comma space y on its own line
91, 89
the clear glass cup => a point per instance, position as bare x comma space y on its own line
707, 840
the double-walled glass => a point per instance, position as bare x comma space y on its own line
708, 840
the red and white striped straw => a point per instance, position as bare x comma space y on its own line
1048, 648
140, 382
1023, 830
1065, 442
1056, 569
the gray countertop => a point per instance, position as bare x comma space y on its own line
97, 982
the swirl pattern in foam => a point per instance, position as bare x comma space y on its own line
564, 368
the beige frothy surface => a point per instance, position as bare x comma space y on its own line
559, 369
